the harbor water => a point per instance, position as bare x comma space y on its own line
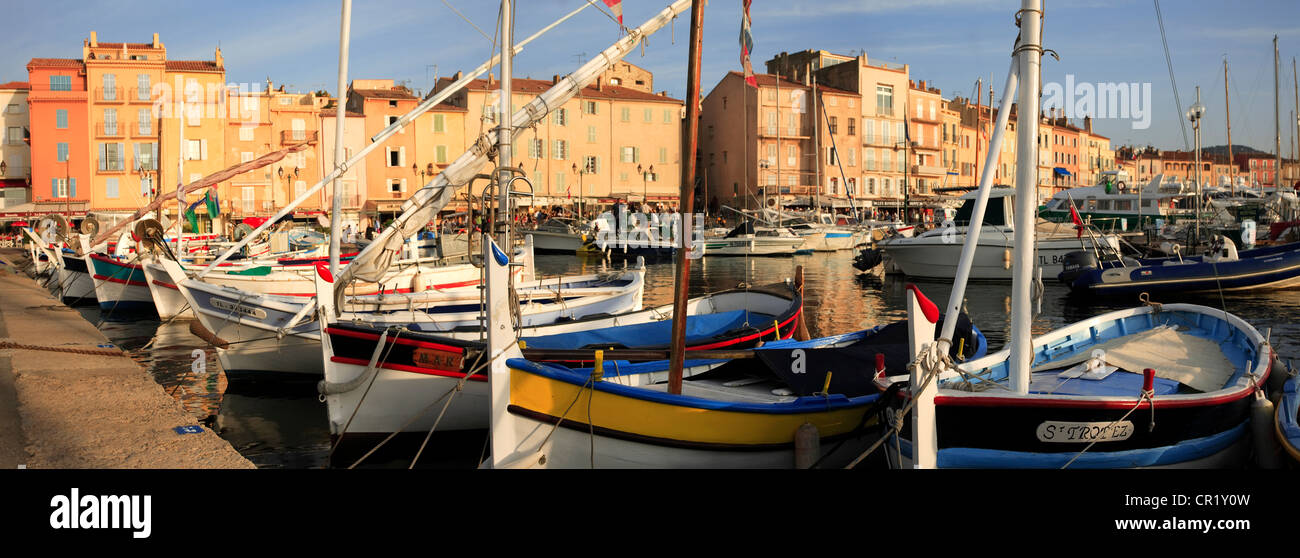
279, 422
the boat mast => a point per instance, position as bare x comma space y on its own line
180, 186
678, 356
340, 115
496, 276
1232, 168
1030, 52
1277, 119
505, 129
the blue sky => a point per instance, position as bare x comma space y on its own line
949, 43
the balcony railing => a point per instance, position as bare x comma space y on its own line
138, 132
110, 94
107, 130
137, 95
786, 131
928, 170
111, 164
289, 137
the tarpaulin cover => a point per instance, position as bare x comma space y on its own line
853, 368
698, 328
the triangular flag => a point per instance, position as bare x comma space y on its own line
616, 6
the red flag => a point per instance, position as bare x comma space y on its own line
747, 46
616, 6
1078, 223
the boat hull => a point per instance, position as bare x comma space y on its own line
119, 286
933, 258
75, 286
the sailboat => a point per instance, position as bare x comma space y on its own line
755, 411
1154, 386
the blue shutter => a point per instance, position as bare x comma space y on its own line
72, 188
111, 187
61, 118
54, 187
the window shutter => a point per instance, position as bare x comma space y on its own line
72, 192
54, 187
401, 162
403, 183
203, 150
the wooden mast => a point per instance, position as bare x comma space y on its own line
687, 198
1232, 167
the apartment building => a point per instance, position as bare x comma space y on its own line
15, 154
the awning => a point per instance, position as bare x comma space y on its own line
1060, 171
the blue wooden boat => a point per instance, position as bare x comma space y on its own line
1287, 418
1154, 386
1223, 269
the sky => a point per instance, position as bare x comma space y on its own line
948, 43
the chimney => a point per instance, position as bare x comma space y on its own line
156, 44
221, 60
490, 79
94, 41
555, 79
1087, 124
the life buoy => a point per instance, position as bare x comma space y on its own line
1122, 186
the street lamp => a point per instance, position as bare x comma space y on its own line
645, 197
580, 171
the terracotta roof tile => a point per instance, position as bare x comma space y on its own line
329, 113
59, 62
192, 66
385, 93
16, 85
769, 80
524, 85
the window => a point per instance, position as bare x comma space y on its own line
60, 83
591, 164
440, 155
249, 199
869, 160
869, 131
299, 127
146, 156
590, 107
853, 157
625, 115
792, 155
59, 187
871, 186
196, 150
393, 120
560, 151
853, 124
560, 116
146, 186
648, 115
144, 122
110, 87
246, 133
61, 119
663, 154
142, 87
668, 116
630, 154
771, 123
834, 125
397, 185
299, 188
285, 101
14, 108
591, 134
245, 156
62, 152
110, 122
932, 110
884, 132
112, 157
884, 100
536, 149
439, 123
14, 135
901, 161
830, 156
622, 177
396, 156
110, 188
559, 180
770, 95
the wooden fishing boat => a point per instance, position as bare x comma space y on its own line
1286, 421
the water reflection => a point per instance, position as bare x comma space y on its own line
279, 423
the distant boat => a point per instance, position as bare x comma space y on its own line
1270, 267
935, 253
557, 235
748, 240
1118, 202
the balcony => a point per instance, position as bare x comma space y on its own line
138, 132
111, 164
109, 130
798, 132
110, 94
928, 170
137, 95
290, 137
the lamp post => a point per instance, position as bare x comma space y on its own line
580, 171
645, 197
